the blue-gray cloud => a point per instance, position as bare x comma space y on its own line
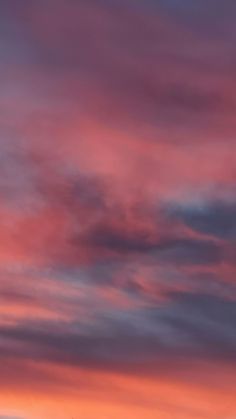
217, 218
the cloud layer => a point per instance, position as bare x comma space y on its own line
117, 209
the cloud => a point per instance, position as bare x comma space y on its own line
175, 250
117, 207
132, 56
189, 325
216, 218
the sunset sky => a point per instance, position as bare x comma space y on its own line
117, 209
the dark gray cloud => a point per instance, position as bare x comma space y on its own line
207, 322
188, 325
217, 218
168, 249
190, 252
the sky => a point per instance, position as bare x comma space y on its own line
117, 209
